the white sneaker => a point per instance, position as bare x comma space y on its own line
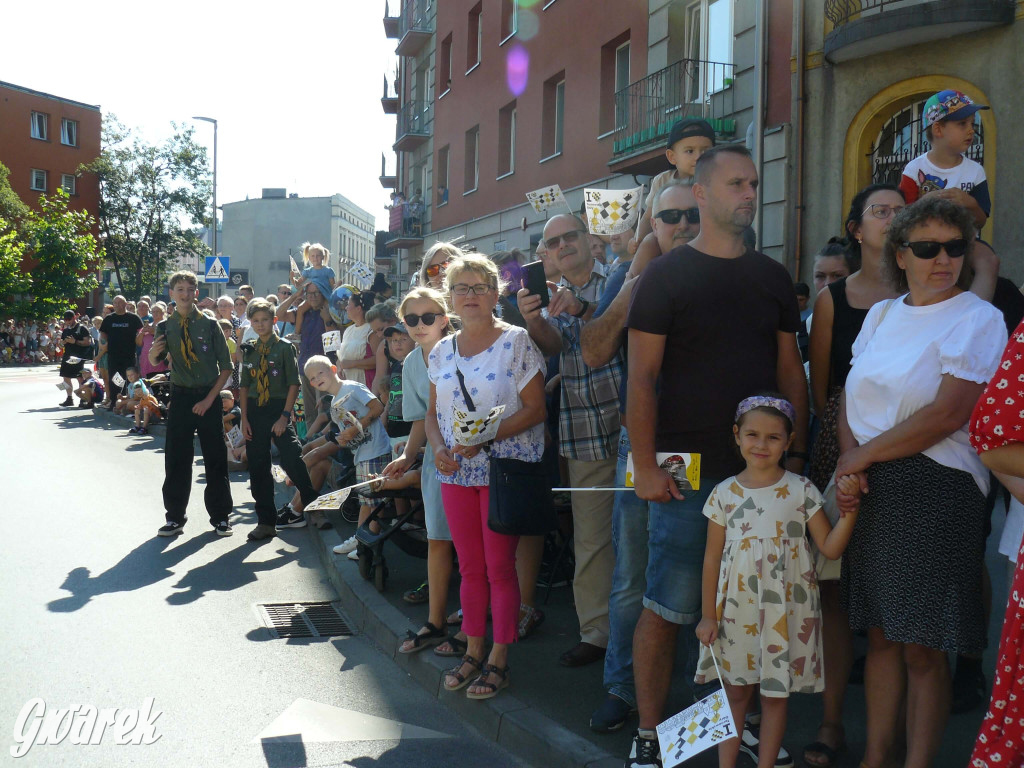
353, 555
347, 546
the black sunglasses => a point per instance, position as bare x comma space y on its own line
929, 249
673, 215
428, 318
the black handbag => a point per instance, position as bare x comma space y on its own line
520, 501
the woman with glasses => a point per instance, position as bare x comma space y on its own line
486, 364
358, 350
912, 575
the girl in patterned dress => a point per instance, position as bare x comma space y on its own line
761, 607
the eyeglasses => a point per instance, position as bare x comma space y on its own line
929, 249
568, 238
461, 289
428, 318
883, 211
435, 269
675, 215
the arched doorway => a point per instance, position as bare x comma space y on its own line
886, 134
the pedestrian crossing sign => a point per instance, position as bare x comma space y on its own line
217, 269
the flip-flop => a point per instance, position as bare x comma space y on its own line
831, 754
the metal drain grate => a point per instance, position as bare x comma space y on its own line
303, 619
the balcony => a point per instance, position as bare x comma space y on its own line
391, 24
645, 111
388, 181
389, 103
405, 228
415, 122
415, 27
859, 28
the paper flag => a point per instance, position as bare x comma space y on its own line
295, 267
345, 419
118, 380
334, 499
683, 467
704, 724
545, 197
235, 437
72, 360
476, 427
277, 473
63, 387
332, 341
612, 211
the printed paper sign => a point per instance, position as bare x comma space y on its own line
118, 380
335, 499
72, 360
235, 437
476, 427
345, 419
704, 724
612, 211
332, 341
684, 468
545, 197
277, 473
295, 267
63, 387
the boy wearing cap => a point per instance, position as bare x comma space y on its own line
945, 170
687, 141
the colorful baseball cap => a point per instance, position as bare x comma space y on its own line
949, 105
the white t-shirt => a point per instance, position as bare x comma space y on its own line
899, 361
966, 175
356, 398
1013, 530
353, 347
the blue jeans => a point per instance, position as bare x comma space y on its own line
629, 537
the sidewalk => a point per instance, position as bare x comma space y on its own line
543, 716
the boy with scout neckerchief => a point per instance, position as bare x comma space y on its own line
200, 366
269, 385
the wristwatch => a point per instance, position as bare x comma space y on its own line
583, 309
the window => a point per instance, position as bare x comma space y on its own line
444, 69
507, 140
38, 180
472, 170
442, 176
474, 38
614, 77
67, 181
709, 38
509, 19
40, 122
69, 132
554, 116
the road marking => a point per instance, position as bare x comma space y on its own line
310, 721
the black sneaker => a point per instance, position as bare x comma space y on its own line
84, 404
644, 753
223, 528
611, 715
751, 741
171, 529
289, 518
67, 403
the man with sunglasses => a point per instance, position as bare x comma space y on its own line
676, 221
588, 421
710, 323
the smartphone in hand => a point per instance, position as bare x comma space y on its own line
536, 281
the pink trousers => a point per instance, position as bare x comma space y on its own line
487, 563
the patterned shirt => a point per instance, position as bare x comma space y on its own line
589, 414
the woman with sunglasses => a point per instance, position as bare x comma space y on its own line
486, 364
358, 343
912, 575
435, 260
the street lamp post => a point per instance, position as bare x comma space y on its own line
211, 120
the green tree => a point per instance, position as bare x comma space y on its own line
150, 198
67, 256
11, 207
14, 283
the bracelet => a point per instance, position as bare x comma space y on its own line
286, 414
583, 309
797, 455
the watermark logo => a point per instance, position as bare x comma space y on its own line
83, 725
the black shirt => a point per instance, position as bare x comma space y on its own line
121, 331
72, 337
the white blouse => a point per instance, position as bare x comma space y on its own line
353, 347
899, 359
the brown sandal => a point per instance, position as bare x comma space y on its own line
456, 672
492, 688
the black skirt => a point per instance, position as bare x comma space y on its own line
914, 564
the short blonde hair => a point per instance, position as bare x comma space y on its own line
477, 263
315, 360
225, 394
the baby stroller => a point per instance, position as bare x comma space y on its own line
408, 535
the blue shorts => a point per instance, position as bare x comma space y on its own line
677, 535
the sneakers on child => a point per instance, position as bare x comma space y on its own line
644, 752
750, 743
170, 529
133, 431
347, 546
289, 518
223, 528
353, 555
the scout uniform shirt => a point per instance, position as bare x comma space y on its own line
282, 368
208, 345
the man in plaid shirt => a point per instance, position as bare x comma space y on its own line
588, 422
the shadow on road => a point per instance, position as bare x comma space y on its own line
225, 573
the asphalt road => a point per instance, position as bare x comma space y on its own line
101, 613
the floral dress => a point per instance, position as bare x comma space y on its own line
768, 606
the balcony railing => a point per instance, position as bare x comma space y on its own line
391, 23
415, 26
645, 110
840, 12
415, 123
406, 225
388, 103
387, 180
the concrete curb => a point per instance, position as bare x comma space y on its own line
109, 417
522, 730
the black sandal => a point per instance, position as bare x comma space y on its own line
831, 754
421, 640
492, 688
459, 647
456, 672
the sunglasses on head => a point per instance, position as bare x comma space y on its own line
674, 215
929, 249
435, 269
428, 318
